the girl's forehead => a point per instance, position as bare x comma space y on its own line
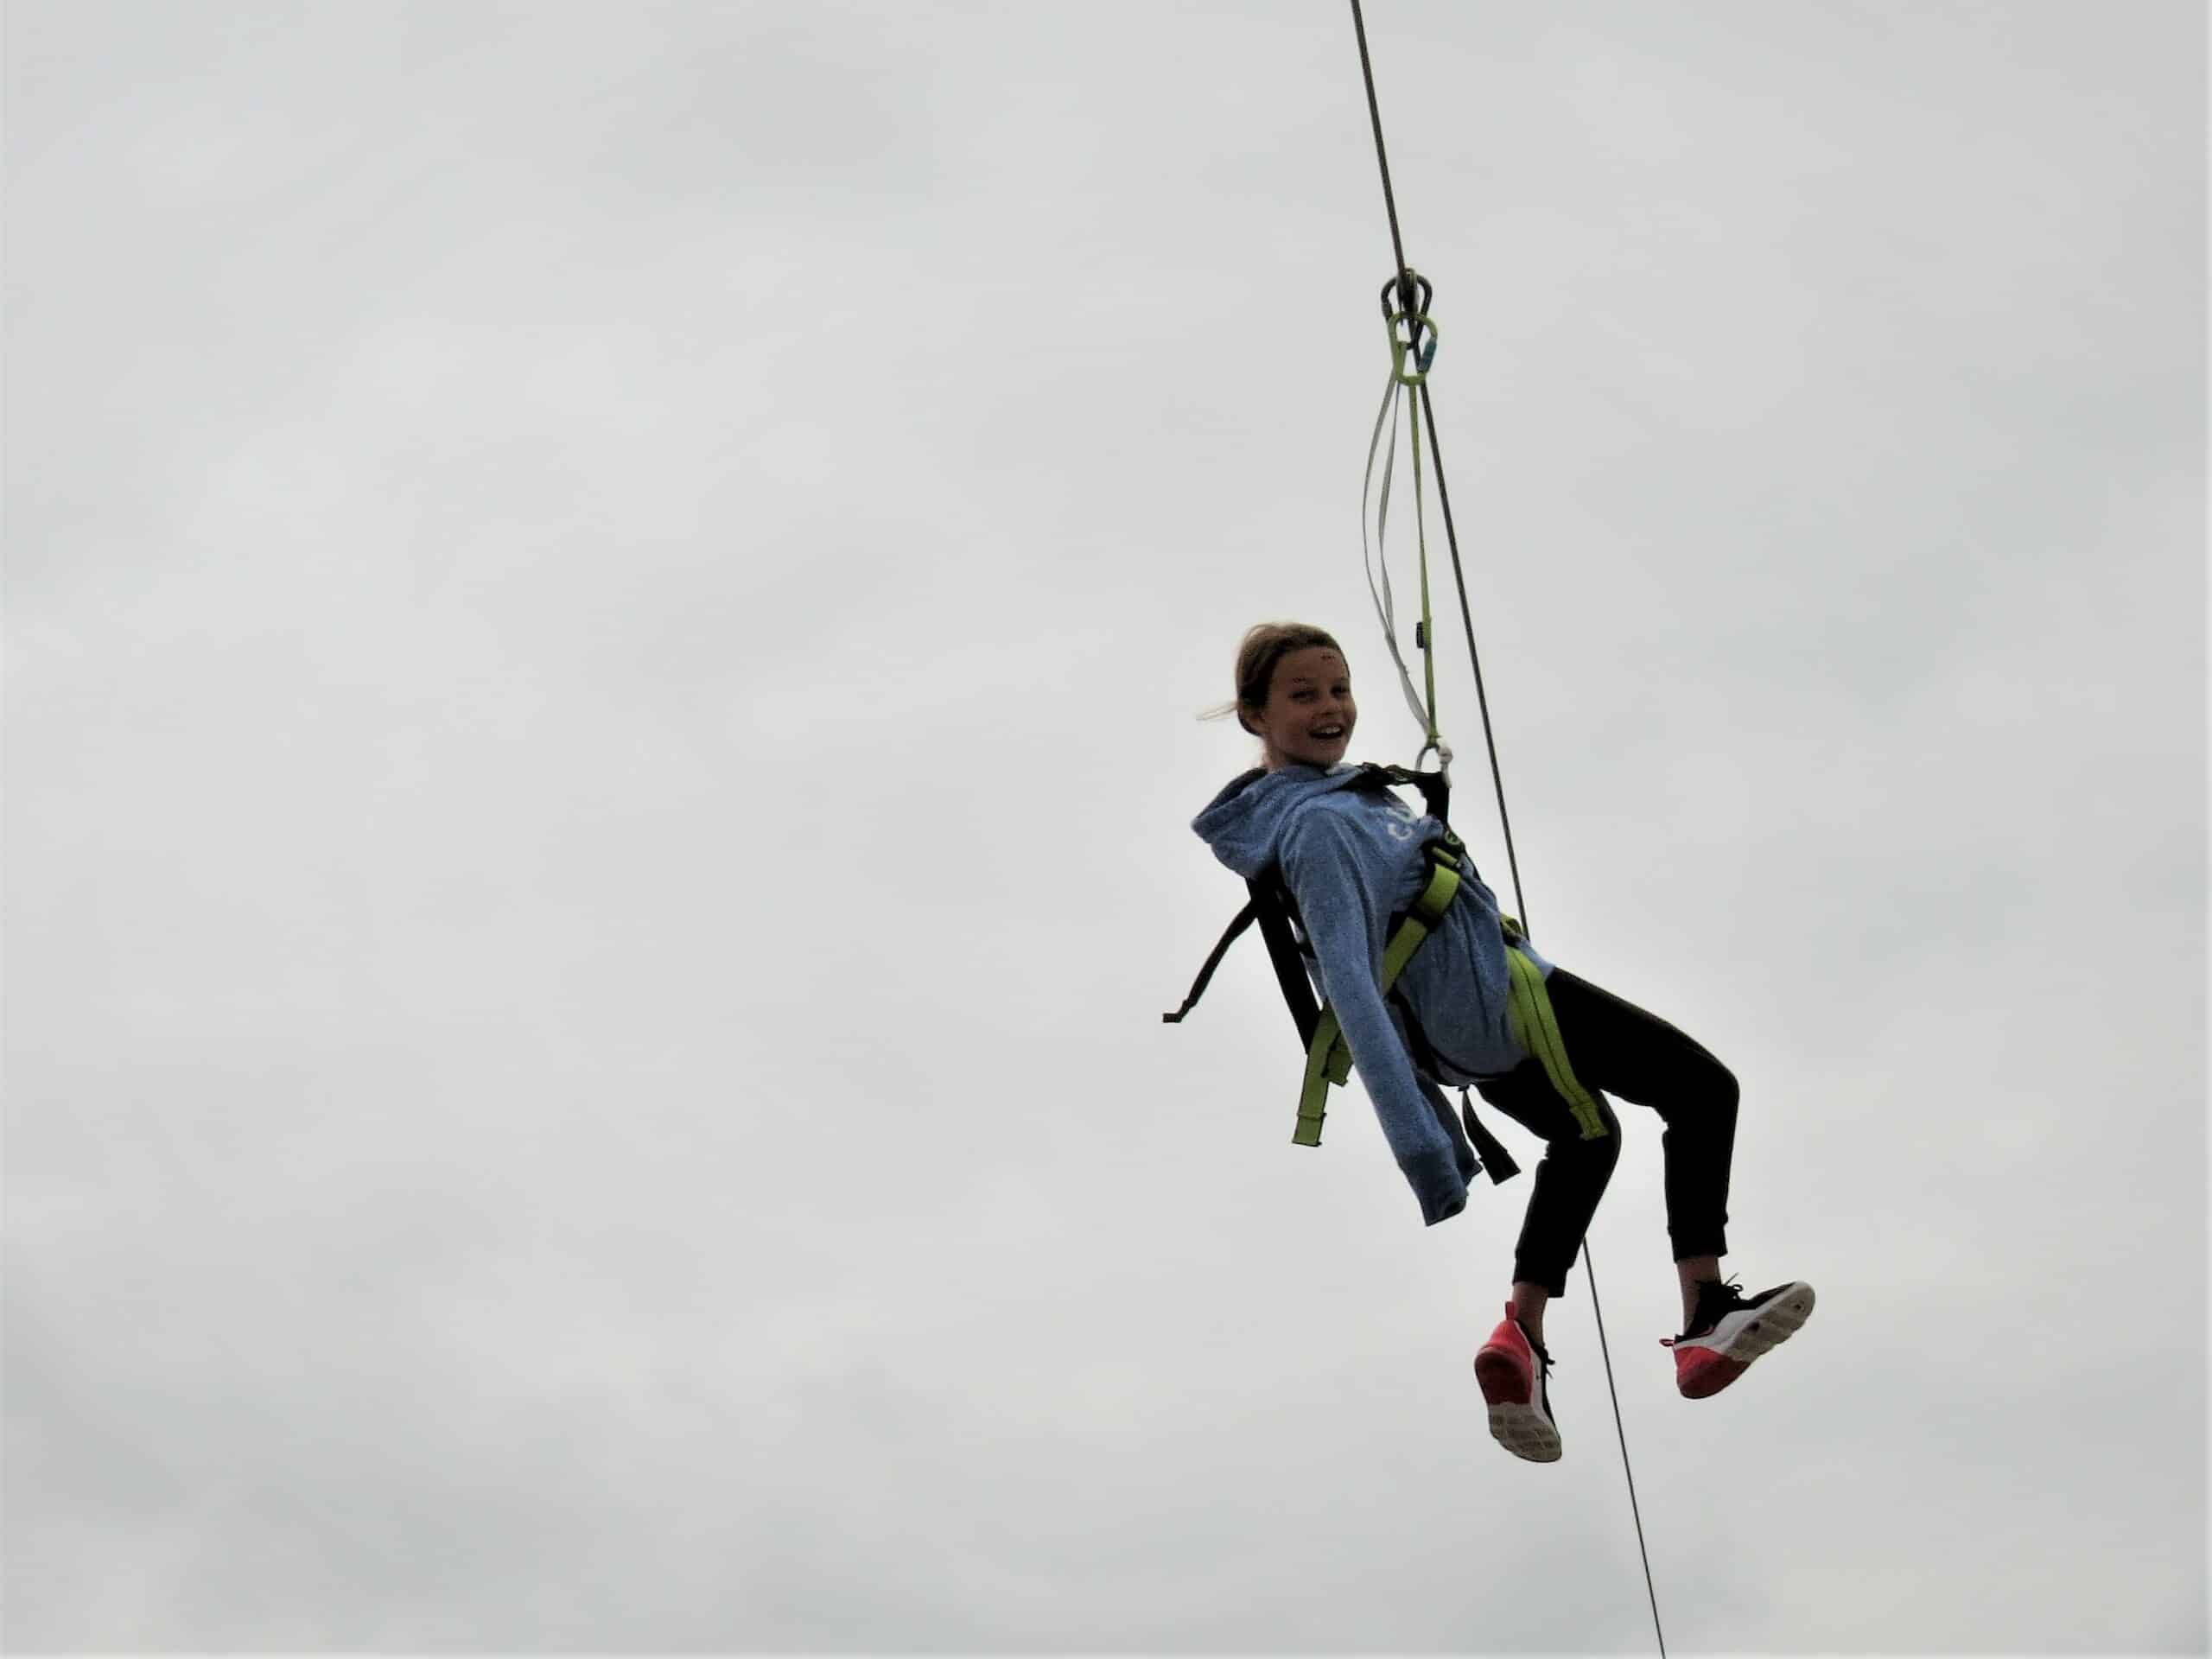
1311, 663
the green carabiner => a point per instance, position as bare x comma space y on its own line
1420, 345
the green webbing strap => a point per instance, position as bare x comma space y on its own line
1320, 1068
1428, 635
1413, 348
1372, 561
1529, 1011
1328, 1059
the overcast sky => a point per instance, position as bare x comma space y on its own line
605, 608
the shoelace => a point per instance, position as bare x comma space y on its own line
1543, 1366
1727, 1295
1716, 1298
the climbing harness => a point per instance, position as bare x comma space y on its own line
1328, 1056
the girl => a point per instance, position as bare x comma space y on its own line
1350, 856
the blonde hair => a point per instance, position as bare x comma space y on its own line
1264, 646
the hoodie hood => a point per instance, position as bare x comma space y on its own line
1244, 823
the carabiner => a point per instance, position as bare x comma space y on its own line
1409, 284
1417, 342
1405, 314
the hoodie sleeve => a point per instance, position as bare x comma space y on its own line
1344, 913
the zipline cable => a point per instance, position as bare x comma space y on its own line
1466, 617
1390, 200
1405, 281
1590, 1270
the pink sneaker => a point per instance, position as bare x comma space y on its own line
1730, 1332
1511, 1371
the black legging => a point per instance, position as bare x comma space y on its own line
1616, 1047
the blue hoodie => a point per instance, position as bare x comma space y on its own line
1350, 858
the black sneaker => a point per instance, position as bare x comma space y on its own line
1731, 1330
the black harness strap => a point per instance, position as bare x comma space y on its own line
1272, 905
1271, 910
1495, 1158
1244, 918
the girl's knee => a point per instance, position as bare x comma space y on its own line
1704, 1086
1595, 1153
1725, 1091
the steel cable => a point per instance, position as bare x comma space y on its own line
1405, 280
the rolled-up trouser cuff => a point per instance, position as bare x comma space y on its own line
1689, 1244
1554, 1281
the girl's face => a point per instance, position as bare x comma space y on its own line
1309, 715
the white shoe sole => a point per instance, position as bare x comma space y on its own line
1525, 1432
1751, 1332
1522, 1428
